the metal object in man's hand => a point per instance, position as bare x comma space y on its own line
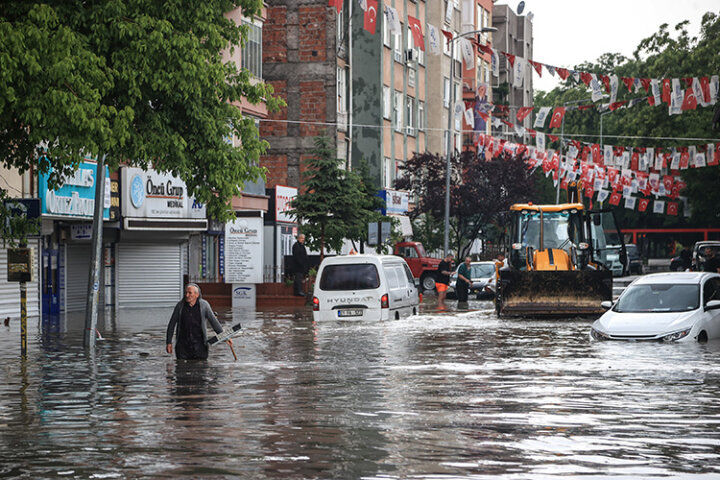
226, 334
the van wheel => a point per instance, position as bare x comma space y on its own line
414, 311
427, 281
397, 315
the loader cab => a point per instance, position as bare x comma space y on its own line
547, 237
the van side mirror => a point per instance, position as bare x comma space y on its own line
607, 304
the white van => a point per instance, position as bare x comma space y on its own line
364, 287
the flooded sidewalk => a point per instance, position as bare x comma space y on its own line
449, 394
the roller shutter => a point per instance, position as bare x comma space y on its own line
77, 271
148, 275
10, 292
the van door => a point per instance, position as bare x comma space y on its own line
395, 291
412, 291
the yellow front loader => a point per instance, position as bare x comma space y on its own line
556, 262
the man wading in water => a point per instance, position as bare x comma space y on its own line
188, 319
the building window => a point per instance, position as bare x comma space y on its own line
410, 116
388, 172
421, 116
398, 111
340, 22
397, 45
252, 50
387, 101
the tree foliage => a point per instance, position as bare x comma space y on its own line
665, 54
141, 82
334, 204
481, 192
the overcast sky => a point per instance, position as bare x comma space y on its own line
569, 32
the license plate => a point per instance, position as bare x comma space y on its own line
350, 313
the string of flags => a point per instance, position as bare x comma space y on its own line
634, 176
680, 94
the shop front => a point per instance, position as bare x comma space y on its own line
158, 218
280, 232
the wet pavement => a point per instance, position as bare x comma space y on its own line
451, 394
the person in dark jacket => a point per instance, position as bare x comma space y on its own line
302, 264
187, 323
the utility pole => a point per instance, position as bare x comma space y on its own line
91, 310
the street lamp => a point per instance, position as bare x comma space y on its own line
451, 133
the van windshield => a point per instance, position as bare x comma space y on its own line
354, 276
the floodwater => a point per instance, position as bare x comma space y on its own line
441, 395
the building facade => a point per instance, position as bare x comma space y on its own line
512, 88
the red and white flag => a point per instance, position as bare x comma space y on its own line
672, 208
417, 33
643, 204
523, 112
338, 4
370, 23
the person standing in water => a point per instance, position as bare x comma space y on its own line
187, 323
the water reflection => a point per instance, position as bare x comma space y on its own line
445, 394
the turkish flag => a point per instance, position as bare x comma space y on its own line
635, 161
615, 105
585, 107
606, 81
645, 82
370, 22
553, 138
557, 117
564, 183
563, 72
337, 4
666, 90
537, 66
511, 58
713, 154
523, 112
596, 153
668, 181
651, 101
589, 191
629, 82
643, 204
689, 102
586, 77
684, 159
416, 29
615, 199
672, 208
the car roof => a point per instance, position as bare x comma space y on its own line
362, 258
675, 277
707, 243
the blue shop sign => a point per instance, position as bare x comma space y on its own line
396, 202
76, 197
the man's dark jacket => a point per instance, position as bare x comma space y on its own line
300, 258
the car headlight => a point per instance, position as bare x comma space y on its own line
598, 335
673, 337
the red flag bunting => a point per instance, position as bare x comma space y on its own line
553, 138
370, 20
646, 84
557, 117
689, 102
485, 49
337, 4
713, 154
651, 101
643, 204
523, 112
672, 208
606, 81
688, 81
563, 72
537, 66
615, 199
586, 77
511, 58
614, 106
416, 29
448, 35
629, 82
585, 107
666, 90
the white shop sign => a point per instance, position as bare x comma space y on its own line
150, 194
243, 295
244, 250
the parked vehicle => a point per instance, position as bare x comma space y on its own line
421, 266
635, 265
696, 262
364, 287
482, 275
670, 307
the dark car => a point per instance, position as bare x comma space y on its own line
635, 265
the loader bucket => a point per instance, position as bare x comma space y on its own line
553, 293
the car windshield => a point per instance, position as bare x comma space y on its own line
354, 276
662, 297
483, 270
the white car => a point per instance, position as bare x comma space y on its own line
364, 287
482, 275
671, 307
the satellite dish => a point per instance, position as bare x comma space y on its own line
521, 7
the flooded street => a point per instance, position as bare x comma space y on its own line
438, 395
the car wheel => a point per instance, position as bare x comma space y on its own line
427, 281
702, 338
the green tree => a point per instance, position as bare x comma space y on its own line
334, 204
665, 54
144, 83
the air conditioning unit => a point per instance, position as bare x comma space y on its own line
409, 55
410, 131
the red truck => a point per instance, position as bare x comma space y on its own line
421, 266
